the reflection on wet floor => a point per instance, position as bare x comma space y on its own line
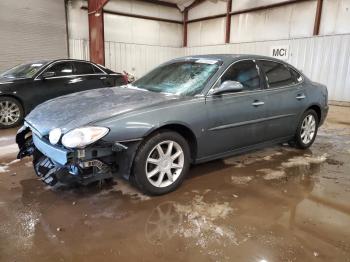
278, 204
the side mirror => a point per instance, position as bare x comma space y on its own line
47, 74
228, 87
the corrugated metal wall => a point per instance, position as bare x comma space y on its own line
137, 59
31, 30
325, 59
134, 58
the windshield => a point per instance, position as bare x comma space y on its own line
24, 70
180, 78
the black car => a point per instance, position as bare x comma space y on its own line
27, 85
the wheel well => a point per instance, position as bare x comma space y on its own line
186, 133
19, 100
317, 109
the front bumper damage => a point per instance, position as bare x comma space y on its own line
56, 164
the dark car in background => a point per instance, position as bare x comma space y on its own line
187, 111
27, 85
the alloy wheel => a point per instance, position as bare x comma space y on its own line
9, 113
308, 129
164, 163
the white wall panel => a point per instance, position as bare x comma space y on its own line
325, 59
290, 21
141, 31
79, 49
78, 23
335, 17
207, 8
209, 32
143, 8
138, 59
238, 5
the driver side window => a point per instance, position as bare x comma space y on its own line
244, 72
62, 69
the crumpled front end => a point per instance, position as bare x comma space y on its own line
55, 164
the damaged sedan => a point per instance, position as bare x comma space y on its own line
187, 111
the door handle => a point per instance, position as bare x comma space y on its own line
258, 103
300, 96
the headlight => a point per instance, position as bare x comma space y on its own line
81, 137
55, 135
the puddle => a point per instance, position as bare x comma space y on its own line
241, 180
306, 160
271, 174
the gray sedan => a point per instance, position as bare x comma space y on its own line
186, 111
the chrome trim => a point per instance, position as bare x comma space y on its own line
71, 76
257, 90
244, 123
129, 140
68, 60
258, 103
299, 97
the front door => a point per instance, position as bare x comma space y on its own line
236, 120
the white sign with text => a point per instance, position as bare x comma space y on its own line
280, 51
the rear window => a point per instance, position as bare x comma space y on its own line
277, 74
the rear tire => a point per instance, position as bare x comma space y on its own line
161, 163
11, 112
306, 131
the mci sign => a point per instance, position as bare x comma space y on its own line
280, 52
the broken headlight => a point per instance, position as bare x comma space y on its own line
81, 137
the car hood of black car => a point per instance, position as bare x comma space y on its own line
9, 81
80, 109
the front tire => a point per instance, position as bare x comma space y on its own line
307, 130
161, 163
11, 112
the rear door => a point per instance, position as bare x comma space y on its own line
88, 76
286, 98
236, 120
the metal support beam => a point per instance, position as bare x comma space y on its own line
96, 31
318, 17
228, 21
185, 25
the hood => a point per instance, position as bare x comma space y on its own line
79, 109
9, 81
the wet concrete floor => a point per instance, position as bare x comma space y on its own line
277, 204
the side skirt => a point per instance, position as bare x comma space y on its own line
243, 150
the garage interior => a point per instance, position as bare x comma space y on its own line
274, 204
